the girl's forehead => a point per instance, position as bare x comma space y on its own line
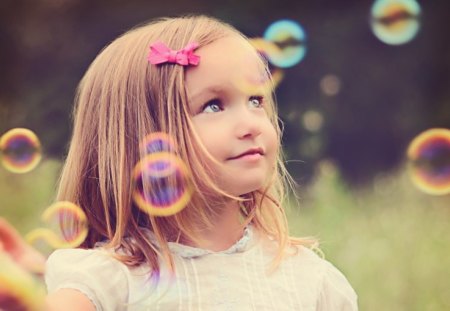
224, 63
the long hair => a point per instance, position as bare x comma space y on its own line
119, 101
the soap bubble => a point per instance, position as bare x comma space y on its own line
395, 21
266, 49
66, 226
158, 142
21, 150
289, 37
162, 184
429, 161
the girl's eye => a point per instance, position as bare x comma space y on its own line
212, 106
257, 101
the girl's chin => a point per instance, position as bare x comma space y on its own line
242, 191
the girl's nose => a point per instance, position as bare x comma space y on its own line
247, 124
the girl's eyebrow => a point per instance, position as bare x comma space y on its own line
206, 91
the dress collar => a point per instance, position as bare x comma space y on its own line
186, 251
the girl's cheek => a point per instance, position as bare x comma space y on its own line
275, 140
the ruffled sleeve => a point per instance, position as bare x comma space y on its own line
94, 273
336, 293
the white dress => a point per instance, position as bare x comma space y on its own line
234, 279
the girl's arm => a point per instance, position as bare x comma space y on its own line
76, 279
23, 255
68, 300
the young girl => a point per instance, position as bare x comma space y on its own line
201, 82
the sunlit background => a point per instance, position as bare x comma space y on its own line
363, 90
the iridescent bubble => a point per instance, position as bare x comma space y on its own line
158, 142
21, 150
162, 184
429, 156
19, 290
289, 37
67, 226
266, 48
395, 21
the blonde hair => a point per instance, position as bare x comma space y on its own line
120, 100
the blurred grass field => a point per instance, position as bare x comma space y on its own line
390, 240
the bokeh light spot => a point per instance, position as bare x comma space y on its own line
330, 84
312, 120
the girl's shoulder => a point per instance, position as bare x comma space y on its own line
82, 260
334, 291
310, 273
311, 263
93, 272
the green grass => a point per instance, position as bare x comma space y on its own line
390, 240
25, 196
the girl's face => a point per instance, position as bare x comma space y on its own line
229, 116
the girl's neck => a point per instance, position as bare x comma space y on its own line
227, 229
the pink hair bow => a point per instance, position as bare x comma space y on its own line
160, 53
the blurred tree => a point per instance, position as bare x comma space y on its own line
388, 94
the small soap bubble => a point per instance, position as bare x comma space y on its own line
66, 226
429, 161
395, 22
21, 150
290, 38
158, 142
265, 49
162, 184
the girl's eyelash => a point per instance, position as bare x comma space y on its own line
260, 98
210, 102
217, 102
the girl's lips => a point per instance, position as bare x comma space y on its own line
253, 153
249, 157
